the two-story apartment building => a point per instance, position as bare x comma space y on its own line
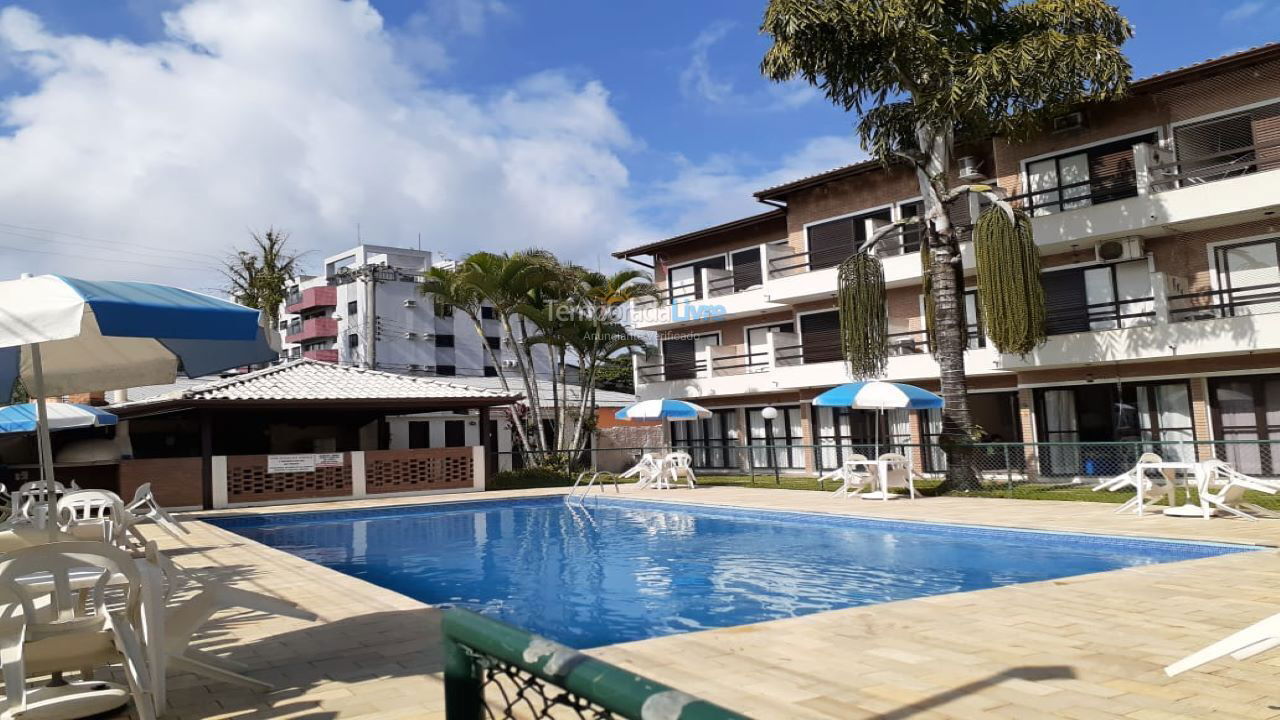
1156, 219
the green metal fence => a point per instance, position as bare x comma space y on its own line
994, 466
496, 670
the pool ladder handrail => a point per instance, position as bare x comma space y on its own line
573, 492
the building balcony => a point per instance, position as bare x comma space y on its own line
785, 363
329, 356
1165, 327
313, 329
316, 297
1157, 196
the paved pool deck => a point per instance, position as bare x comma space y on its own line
1091, 646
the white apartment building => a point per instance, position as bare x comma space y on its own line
366, 311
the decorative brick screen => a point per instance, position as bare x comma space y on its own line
249, 481
389, 471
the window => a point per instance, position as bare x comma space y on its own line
353, 341
455, 433
681, 357
746, 269
757, 359
1246, 410
820, 337
1248, 278
908, 240
1081, 178
684, 283
1229, 146
708, 441
490, 371
353, 309
419, 435
486, 312
446, 370
833, 241
444, 341
973, 321
1099, 297
494, 342
772, 441
844, 431
444, 310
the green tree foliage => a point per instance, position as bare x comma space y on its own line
18, 393
920, 73
257, 277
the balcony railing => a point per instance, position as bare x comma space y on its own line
1107, 315
314, 297
1200, 169
1225, 303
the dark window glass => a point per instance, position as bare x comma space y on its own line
455, 433
353, 341
443, 341
486, 312
494, 342
490, 371
353, 309
446, 370
444, 309
419, 435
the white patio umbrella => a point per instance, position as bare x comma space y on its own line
878, 395
62, 335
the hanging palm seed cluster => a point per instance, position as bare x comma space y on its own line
864, 320
1009, 288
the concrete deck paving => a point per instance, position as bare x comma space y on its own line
1091, 646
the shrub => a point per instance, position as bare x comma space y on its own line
533, 477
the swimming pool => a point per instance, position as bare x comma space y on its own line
618, 570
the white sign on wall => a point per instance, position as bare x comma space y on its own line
291, 463
325, 460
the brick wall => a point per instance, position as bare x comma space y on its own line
249, 481
176, 482
867, 190
729, 241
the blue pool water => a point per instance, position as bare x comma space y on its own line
620, 570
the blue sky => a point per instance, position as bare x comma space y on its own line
671, 124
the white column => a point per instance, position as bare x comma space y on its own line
477, 467
219, 464
358, 478
1143, 158
1160, 298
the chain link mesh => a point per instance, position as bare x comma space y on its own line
511, 693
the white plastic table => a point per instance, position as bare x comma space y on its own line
881, 469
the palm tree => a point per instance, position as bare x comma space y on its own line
921, 72
258, 277
446, 286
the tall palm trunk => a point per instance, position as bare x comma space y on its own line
950, 327
530, 388
512, 415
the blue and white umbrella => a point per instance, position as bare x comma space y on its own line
25, 418
62, 335
878, 395
662, 409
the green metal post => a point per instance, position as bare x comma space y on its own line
751, 463
463, 691
1008, 470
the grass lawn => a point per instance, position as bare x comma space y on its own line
1019, 491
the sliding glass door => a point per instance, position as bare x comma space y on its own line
773, 441
1246, 410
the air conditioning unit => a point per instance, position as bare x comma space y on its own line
1109, 251
411, 303
410, 335
428, 336
414, 367
970, 168
1068, 122
509, 363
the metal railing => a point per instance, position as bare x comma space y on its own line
1201, 169
1225, 302
1106, 315
679, 370
1060, 198
496, 670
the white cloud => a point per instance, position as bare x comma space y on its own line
298, 113
721, 188
1244, 11
698, 81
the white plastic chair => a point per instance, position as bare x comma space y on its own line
1228, 495
646, 470
679, 465
54, 618
144, 507
898, 473
853, 478
93, 515
200, 600
31, 495
1257, 638
1151, 488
